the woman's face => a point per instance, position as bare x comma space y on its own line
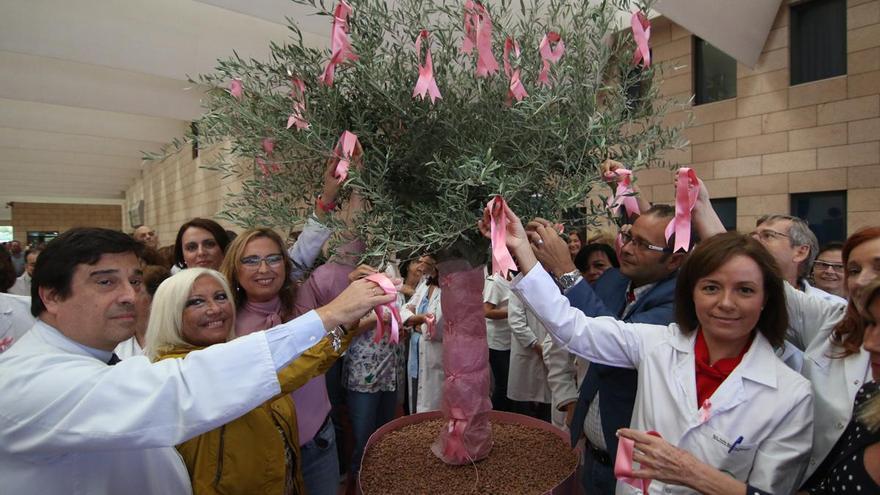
871, 343
428, 266
729, 300
200, 249
207, 315
261, 269
828, 272
574, 244
862, 267
597, 263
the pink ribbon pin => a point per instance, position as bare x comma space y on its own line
344, 150
705, 411
623, 463
687, 189
549, 55
6, 343
624, 196
340, 46
431, 322
298, 93
426, 83
478, 32
386, 285
236, 88
502, 261
641, 29
516, 88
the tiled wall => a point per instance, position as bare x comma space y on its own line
60, 217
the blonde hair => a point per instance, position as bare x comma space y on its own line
166, 315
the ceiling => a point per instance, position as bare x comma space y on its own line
86, 86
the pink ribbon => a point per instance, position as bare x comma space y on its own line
268, 145
430, 321
426, 83
624, 196
235, 88
687, 189
549, 55
344, 150
502, 261
623, 463
641, 29
516, 88
6, 343
455, 442
386, 285
478, 32
705, 411
298, 93
340, 46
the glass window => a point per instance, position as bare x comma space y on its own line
818, 40
6, 233
726, 210
825, 212
714, 73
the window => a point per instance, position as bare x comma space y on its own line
714, 73
726, 210
825, 212
637, 86
818, 40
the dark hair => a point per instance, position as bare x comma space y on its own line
33, 250
850, 332
831, 246
583, 257
709, 256
78, 246
154, 275
211, 226
7, 270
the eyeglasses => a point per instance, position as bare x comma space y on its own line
626, 237
768, 235
253, 262
824, 265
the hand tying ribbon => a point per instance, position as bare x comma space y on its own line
549, 55
516, 88
340, 46
426, 83
624, 195
502, 261
431, 323
235, 88
455, 443
641, 29
687, 189
623, 463
344, 151
478, 32
298, 93
386, 285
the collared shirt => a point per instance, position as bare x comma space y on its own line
22, 286
497, 292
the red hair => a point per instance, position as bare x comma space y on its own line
850, 332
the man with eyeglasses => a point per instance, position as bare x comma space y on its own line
794, 246
640, 291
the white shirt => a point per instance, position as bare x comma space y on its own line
822, 294
71, 424
497, 292
22, 286
15, 319
128, 348
762, 400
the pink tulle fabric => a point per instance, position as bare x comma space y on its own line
467, 435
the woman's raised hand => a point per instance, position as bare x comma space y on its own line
515, 237
353, 303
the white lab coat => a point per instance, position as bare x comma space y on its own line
762, 400
128, 348
71, 424
527, 379
431, 373
15, 318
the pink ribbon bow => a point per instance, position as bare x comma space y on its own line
344, 150
235, 88
687, 189
705, 411
298, 93
516, 88
455, 442
641, 29
549, 55
394, 332
340, 45
478, 32
502, 261
426, 83
623, 463
624, 196
431, 322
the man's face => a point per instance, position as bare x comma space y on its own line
29, 263
15, 247
774, 235
147, 236
99, 311
642, 264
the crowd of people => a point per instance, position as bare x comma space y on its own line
232, 363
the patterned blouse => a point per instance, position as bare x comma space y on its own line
374, 367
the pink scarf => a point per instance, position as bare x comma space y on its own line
256, 316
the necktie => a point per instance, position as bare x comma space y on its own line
630, 296
113, 360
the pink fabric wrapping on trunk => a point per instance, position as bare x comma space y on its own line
467, 435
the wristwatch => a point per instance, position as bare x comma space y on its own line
568, 280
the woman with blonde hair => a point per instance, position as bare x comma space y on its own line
258, 452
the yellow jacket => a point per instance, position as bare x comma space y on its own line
258, 452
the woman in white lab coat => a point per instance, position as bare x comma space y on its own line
426, 345
710, 383
527, 381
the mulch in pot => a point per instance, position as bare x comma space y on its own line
523, 460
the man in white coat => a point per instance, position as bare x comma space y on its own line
73, 421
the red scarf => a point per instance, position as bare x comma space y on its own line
710, 376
